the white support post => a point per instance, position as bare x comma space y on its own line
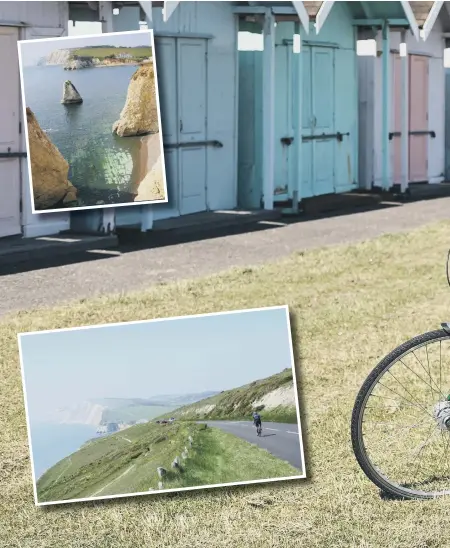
147, 210
299, 98
386, 97
269, 110
105, 11
405, 112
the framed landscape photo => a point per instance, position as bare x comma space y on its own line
93, 121
161, 405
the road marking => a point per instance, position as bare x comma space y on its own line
288, 432
274, 429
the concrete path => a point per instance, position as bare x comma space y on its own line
140, 269
281, 440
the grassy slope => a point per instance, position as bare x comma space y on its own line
352, 305
126, 462
237, 403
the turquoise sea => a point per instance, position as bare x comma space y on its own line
103, 167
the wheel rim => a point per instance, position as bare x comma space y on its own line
404, 434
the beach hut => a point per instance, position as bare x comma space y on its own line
309, 144
197, 55
21, 21
402, 101
196, 51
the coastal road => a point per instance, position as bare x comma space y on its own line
281, 440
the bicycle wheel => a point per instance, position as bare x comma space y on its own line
400, 425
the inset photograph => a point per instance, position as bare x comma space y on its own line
162, 405
93, 124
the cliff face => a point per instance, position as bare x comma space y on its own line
139, 115
49, 169
76, 64
84, 413
58, 57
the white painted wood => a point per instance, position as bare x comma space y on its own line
302, 14
10, 186
299, 144
323, 13
269, 111
431, 19
148, 10
405, 113
411, 19
169, 8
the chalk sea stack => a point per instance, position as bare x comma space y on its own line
49, 169
140, 114
70, 94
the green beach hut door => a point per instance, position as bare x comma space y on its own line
318, 120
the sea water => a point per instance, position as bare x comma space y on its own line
53, 442
103, 166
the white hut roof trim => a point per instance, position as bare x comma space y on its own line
421, 11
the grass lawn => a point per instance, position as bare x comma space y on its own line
350, 306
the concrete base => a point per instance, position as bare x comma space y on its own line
17, 249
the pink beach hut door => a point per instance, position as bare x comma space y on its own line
418, 119
396, 124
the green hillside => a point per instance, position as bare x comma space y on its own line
238, 403
127, 462
102, 52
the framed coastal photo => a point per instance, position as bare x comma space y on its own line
92, 121
165, 405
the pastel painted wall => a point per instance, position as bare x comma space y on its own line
329, 84
42, 20
371, 102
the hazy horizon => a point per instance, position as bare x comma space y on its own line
32, 52
150, 359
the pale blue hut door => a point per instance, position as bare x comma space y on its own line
192, 97
284, 122
319, 138
182, 79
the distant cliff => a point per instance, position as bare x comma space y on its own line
84, 413
59, 57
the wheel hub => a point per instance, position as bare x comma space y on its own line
442, 414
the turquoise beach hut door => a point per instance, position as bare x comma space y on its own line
318, 119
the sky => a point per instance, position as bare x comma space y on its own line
33, 51
181, 356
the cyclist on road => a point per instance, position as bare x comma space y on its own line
256, 419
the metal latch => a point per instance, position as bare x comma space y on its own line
215, 144
287, 140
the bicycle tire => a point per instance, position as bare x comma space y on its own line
358, 411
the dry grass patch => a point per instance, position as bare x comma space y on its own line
352, 304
